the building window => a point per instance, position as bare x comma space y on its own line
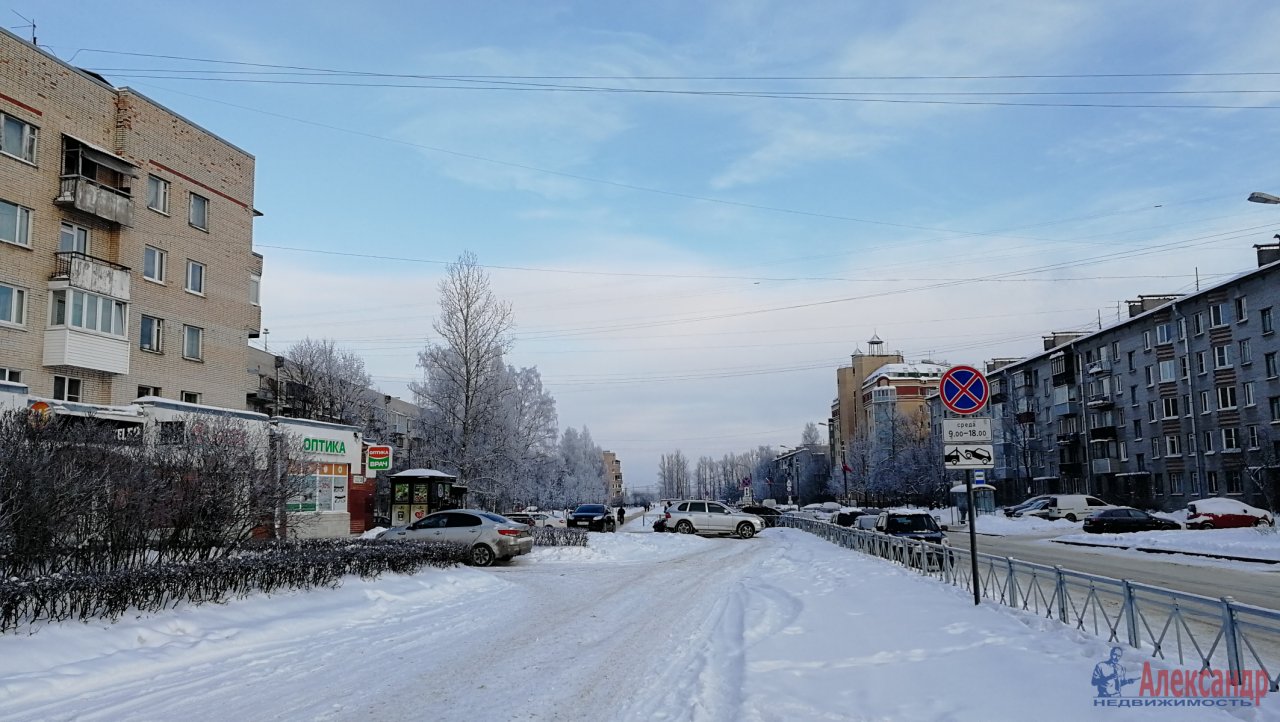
1141, 460
148, 391
1146, 340
1175, 482
1269, 360
1265, 317
1168, 370
1164, 333
153, 263
1246, 353
18, 138
1242, 310
1155, 447
158, 194
1123, 451
1254, 437
1230, 439
198, 212
192, 343
1221, 357
1274, 403
1234, 481
1147, 371
1132, 367
1202, 363
74, 238
1151, 412
1197, 323
1205, 407
11, 375
15, 224
1249, 399
66, 388
1191, 444
190, 397
255, 289
152, 336
1186, 404
195, 277
13, 305
1137, 429
1226, 397
1213, 482
88, 311
1184, 366
1173, 445
1208, 442
1219, 315
1171, 408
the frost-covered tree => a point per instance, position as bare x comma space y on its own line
810, 435
463, 392
582, 471
328, 383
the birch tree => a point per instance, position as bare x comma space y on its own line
464, 379
330, 383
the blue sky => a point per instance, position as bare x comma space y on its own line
724, 207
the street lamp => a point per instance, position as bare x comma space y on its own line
1259, 197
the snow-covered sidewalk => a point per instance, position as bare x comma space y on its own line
1243, 544
634, 627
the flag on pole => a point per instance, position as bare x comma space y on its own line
846, 468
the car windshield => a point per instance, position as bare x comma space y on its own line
910, 522
589, 509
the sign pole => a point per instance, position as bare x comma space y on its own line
973, 537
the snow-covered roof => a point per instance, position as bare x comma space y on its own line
422, 474
163, 403
905, 371
960, 487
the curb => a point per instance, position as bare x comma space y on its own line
1149, 550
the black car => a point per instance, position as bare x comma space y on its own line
917, 525
1125, 519
849, 518
768, 513
594, 517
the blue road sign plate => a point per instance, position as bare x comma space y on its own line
964, 390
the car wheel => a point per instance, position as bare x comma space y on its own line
1263, 521
1206, 525
1071, 517
745, 530
684, 527
481, 556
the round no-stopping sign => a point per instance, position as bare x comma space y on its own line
964, 390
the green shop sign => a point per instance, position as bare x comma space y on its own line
324, 446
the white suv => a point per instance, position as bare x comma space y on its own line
711, 517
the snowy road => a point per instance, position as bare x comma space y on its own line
638, 626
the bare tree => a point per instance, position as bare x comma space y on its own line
329, 383
810, 435
465, 380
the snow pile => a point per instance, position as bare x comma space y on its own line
1000, 525
1248, 543
373, 533
623, 547
1179, 515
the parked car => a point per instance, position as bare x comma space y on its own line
849, 518
711, 517
1126, 519
535, 518
1031, 509
866, 523
595, 517
768, 513
1013, 510
911, 524
1072, 507
491, 537
1220, 513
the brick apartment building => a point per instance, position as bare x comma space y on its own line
126, 231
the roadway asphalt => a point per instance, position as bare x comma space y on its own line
1260, 588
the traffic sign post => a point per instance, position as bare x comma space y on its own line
967, 443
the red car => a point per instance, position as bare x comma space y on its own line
1222, 513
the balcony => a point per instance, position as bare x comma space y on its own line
1104, 466
1068, 439
1101, 401
1067, 408
1101, 366
92, 274
1070, 468
1102, 433
86, 350
97, 199
1026, 417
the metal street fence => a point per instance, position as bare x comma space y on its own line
1170, 625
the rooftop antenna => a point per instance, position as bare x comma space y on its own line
1197, 279
266, 340
1099, 319
30, 24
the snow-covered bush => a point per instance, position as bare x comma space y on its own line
267, 566
550, 536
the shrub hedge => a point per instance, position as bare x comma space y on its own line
550, 536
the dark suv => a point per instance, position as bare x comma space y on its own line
768, 513
911, 524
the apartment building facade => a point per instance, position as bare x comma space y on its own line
126, 261
1179, 401
614, 490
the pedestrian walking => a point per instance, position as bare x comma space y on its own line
622, 516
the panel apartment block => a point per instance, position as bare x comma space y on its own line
126, 232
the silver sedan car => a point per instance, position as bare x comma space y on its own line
489, 537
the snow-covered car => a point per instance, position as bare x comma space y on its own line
489, 536
1220, 513
1126, 519
711, 517
592, 517
768, 513
1013, 510
850, 517
866, 523
915, 524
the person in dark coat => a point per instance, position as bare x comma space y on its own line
622, 516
